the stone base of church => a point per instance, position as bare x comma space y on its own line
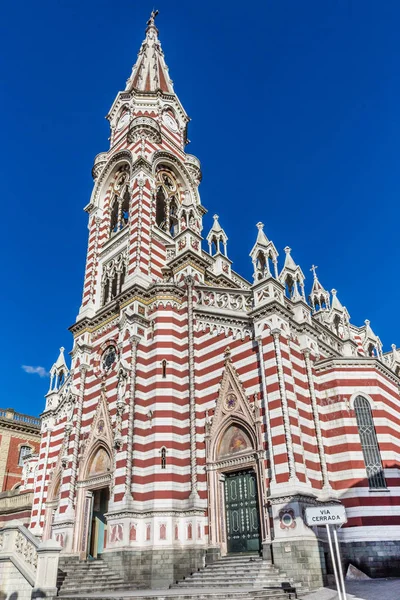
374, 558
155, 568
302, 560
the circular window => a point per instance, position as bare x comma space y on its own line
109, 358
231, 401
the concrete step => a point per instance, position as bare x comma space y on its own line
226, 584
263, 595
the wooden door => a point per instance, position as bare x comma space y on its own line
242, 512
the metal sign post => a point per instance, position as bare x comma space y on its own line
330, 514
339, 560
333, 557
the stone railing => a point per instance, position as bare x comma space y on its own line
224, 300
11, 415
12, 501
35, 561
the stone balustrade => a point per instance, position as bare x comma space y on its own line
223, 299
11, 501
10, 415
26, 564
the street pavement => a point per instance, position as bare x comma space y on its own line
373, 589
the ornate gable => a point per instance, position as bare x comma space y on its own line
100, 434
233, 409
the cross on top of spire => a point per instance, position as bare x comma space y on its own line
153, 15
314, 270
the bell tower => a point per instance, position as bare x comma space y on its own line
145, 207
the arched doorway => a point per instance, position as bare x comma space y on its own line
236, 478
242, 521
94, 494
52, 502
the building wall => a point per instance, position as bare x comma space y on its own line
14, 433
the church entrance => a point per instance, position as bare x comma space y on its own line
242, 512
98, 529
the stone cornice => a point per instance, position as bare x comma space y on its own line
312, 499
112, 310
274, 307
188, 258
148, 514
20, 426
356, 362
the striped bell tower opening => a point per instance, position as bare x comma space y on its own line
201, 413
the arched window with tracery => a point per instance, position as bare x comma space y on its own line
114, 273
167, 202
369, 443
119, 205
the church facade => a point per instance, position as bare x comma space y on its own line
202, 413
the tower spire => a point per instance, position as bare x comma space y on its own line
150, 73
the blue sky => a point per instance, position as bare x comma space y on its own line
295, 118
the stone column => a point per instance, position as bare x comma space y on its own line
266, 409
38, 529
48, 554
74, 464
321, 450
194, 494
134, 339
285, 409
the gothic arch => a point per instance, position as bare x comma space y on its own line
364, 395
104, 180
226, 435
55, 486
98, 462
183, 175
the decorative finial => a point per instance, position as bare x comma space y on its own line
227, 353
216, 217
313, 269
62, 349
260, 225
367, 322
333, 292
288, 250
153, 15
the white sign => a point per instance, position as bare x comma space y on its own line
328, 514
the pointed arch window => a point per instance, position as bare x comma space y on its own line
23, 452
113, 279
164, 368
119, 206
167, 202
163, 457
369, 443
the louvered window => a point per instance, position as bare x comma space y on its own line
369, 443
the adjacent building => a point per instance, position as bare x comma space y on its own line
19, 438
202, 412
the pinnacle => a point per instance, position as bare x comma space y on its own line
216, 226
261, 237
289, 262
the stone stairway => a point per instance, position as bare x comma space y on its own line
238, 571
77, 577
240, 577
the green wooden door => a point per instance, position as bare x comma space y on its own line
242, 516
